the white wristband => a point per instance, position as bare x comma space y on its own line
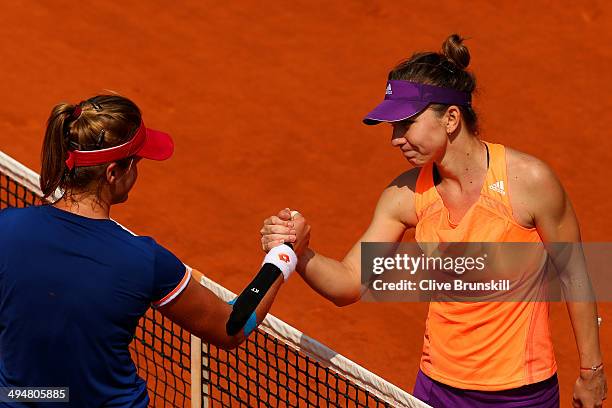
283, 258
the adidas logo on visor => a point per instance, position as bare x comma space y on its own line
388, 91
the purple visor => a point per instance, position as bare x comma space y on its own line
404, 99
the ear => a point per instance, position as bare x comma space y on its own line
452, 119
113, 173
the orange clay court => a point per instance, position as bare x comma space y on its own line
265, 105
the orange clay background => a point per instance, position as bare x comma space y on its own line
265, 104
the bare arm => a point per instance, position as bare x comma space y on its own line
340, 280
556, 221
202, 313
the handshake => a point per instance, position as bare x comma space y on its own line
287, 227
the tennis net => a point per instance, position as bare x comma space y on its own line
278, 366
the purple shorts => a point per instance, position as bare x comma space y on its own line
544, 394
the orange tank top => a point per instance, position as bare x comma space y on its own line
487, 346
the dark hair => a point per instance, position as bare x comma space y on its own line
446, 69
100, 122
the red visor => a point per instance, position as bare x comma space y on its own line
146, 143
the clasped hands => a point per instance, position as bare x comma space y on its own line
286, 227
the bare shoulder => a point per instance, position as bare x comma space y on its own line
397, 200
528, 170
532, 185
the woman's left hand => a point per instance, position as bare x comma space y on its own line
590, 390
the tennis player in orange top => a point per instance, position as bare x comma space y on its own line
463, 189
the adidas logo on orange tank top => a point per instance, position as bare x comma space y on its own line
498, 186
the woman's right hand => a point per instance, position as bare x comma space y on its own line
590, 389
283, 228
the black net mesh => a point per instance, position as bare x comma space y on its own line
14, 194
162, 353
266, 372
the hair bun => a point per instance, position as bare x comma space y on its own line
454, 50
